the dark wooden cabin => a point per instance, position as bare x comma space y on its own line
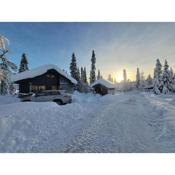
103, 87
48, 77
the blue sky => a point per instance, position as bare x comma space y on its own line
117, 45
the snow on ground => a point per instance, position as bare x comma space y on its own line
8, 99
124, 122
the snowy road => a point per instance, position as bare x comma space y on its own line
125, 122
133, 123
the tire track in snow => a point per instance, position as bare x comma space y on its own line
121, 130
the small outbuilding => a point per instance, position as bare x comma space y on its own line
47, 77
103, 87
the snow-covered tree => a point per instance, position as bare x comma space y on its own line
93, 68
73, 68
24, 63
78, 73
85, 76
124, 76
6, 68
171, 74
157, 82
110, 78
166, 79
98, 75
172, 77
149, 80
82, 74
142, 80
138, 79
82, 83
125, 81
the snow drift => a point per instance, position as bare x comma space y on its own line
124, 122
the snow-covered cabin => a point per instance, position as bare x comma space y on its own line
103, 87
47, 77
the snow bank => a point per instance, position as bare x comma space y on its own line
124, 122
42, 126
8, 99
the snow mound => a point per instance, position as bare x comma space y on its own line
8, 99
124, 122
42, 126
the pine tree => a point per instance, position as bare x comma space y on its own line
149, 80
171, 74
166, 78
125, 81
93, 68
142, 80
24, 63
154, 76
138, 79
124, 76
110, 78
78, 75
82, 75
99, 75
73, 68
85, 76
157, 82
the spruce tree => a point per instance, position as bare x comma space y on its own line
149, 80
124, 76
110, 78
142, 80
157, 82
82, 75
99, 75
73, 68
171, 74
166, 79
173, 79
154, 76
138, 79
93, 68
24, 63
78, 75
85, 76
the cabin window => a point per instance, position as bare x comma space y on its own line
53, 87
34, 88
50, 76
41, 88
38, 88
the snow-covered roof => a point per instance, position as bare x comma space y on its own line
103, 82
39, 71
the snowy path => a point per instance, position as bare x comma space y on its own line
130, 122
121, 126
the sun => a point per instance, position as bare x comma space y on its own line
119, 78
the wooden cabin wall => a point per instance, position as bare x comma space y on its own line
66, 85
48, 80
